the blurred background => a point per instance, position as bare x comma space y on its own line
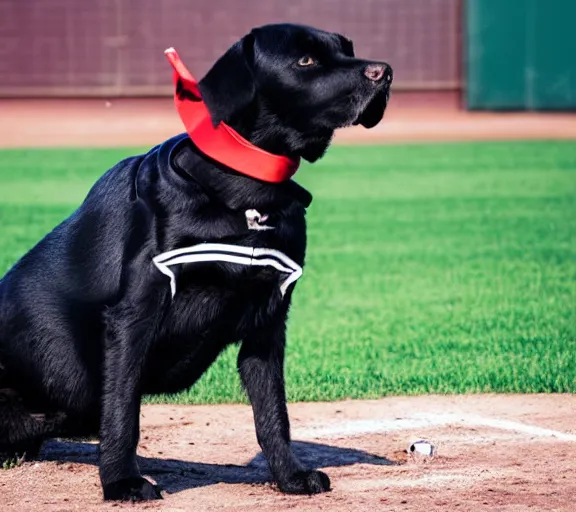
448, 55
115, 47
513, 54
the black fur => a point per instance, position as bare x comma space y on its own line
87, 322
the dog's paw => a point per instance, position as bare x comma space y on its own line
131, 489
305, 482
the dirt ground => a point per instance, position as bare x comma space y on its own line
493, 452
121, 122
506, 452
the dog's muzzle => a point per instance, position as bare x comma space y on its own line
250, 256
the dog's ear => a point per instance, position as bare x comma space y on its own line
374, 112
347, 46
229, 87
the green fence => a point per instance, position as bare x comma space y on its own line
520, 54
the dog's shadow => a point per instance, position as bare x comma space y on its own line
177, 475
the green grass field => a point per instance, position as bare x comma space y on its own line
444, 268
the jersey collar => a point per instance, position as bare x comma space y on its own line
222, 143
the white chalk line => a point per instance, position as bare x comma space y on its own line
455, 479
353, 428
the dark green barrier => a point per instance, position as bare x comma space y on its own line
520, 54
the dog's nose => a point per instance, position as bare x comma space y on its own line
374, 72
377, 72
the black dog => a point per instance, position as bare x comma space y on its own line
88, 323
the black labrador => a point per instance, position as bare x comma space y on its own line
88, 324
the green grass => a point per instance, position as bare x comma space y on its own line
12, 463
444, 268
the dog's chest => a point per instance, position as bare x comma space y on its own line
226, 285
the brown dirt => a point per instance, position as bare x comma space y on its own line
494, 452
130, 121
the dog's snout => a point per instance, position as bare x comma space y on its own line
377, 72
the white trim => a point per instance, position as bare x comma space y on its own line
250, 256
239, 249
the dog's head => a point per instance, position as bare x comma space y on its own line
286, 88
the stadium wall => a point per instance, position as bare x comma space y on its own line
114, 48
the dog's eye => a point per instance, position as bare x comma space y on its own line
306, 61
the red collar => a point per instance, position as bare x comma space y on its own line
222, 143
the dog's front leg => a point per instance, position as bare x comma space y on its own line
130, 329
261, 367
